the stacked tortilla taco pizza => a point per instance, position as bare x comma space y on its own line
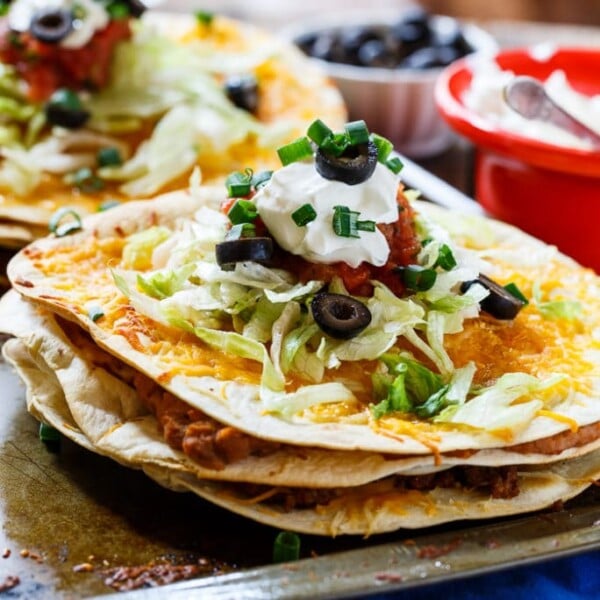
315, 348
100, 102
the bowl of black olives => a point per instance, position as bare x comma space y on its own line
386, 66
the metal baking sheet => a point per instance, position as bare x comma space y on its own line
74, 522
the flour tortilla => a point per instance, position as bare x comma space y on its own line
378, 507
24, 218
371, 503
112, 416
237, 404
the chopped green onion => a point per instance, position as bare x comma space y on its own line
239, 184
318, 132
344, 222
394, 164
286, 547
418, 278
336, 144
384, 147
108, 157
261, 179
4, 6
241, 230
47, 433
242, 211
357, 132
107, 205
304, 215
95, 312
60, 229
445, 258
204, 17
50, 437
85, 180
118, 10
513, 289
365, 225
295, 151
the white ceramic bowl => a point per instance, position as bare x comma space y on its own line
397, 103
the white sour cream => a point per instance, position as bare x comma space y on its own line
94, 17
485, 97
299, 183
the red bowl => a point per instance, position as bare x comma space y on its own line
550, 191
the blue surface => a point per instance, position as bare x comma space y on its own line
573, 578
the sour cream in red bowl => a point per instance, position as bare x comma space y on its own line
526, 173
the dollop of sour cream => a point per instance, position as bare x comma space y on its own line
485, 97
89, 16
298, 184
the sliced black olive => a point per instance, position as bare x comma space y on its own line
500, 303
373, 53
340, 316
64, 109
51, 25
243, 92
255, 249
355, 165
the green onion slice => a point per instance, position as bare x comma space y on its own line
60, 229
394, 164
357, 132
242, 211
365, 225
344, 222
445, 258
47, 433
95, 312
336, 144
261, 179
514, 290
418, 278
304, 215
286, 547
318, 132
85, 180
239, 184
384, 147
204, 17
241, 230
109, 157
117, 10
295, 151
108, 204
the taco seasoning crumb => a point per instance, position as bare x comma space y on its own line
7, 552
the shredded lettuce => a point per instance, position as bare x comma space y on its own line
162, 284
569, 310
137, 253
494, 407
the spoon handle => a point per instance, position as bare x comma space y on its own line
528, 97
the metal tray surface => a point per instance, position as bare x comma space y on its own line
70, 518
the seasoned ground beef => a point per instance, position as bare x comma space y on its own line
497, 482
208, 442
501, 482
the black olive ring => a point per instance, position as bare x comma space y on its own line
340, 316
355, 165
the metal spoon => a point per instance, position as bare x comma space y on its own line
528, 97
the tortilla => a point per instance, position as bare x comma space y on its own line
370, 501
162, 125
380, 507
84, 396
69, 274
